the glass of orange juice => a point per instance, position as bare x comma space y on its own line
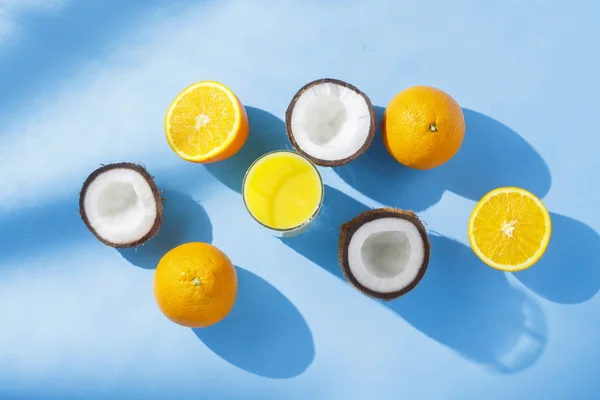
283, 191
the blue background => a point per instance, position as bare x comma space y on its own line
85, 83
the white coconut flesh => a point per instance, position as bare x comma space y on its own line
386, 255
120, 206
330, 121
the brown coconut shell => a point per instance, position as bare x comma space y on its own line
349, 229
330, 163
155, 191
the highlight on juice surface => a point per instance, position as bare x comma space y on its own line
283, 191
206, 123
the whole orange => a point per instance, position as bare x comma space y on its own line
195, 285
423, 127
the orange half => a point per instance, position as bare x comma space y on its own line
510, 229
206, 123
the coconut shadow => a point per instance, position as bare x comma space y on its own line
264, 334
267, 133
185, 220
492, 155
460, 302
472, 308
569, 272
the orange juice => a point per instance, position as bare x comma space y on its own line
283, 191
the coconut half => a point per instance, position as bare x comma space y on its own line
384, 252
330, 122
121, 205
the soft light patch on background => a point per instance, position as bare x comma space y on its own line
12, 10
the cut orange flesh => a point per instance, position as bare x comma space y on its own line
206, 123
510, 229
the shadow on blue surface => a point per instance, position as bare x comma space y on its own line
43, 227
184, 221
492, 155
264, 334
35, 230
479, 167
460, 302
267, 133
473, 309
54, 45
569, 271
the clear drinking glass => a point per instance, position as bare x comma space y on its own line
296, 230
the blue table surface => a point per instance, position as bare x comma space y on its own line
88, 83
